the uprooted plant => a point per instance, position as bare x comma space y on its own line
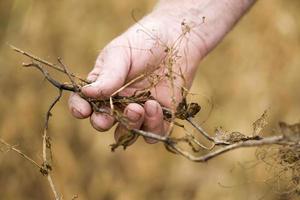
187, 145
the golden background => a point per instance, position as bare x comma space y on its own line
256, 67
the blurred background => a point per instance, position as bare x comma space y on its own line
256, 67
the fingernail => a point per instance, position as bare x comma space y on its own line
151, 109
86, 86
132, 115
91, 78
77, 113
90, 85
89, 81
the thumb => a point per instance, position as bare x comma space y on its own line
110, 71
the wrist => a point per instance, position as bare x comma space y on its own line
220, 17
185, 5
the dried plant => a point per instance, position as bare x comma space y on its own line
287, 140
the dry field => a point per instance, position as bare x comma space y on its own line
256, 67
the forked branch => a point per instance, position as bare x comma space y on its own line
221, 142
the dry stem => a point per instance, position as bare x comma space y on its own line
47, 146
179, 110
184, 112
19, 152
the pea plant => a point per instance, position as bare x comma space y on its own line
285, 142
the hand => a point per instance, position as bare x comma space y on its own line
141, 49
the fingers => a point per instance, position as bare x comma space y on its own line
108, 75
79, 107
102, 122
135, 115
110, 72
150, 118
153, 120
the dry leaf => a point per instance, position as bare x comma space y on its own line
222, 135
260, 124
291, 132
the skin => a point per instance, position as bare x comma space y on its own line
135, 52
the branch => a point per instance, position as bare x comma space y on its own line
45, 62
202, 131
279, 140
20, 153
221, 142
54, 82
45, 170
171, 142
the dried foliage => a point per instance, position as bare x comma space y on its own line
284, 161
187, 145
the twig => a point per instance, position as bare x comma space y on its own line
280, 140
47, 145
171, 143
19, 152
248, 143
52, 186
200, 129
55, 83
204, 133
122, 88
178, 110
66, 70
41, 168
45, 62
151, 135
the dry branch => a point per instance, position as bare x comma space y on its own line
20, 153
184, 111
221, 142
47, 167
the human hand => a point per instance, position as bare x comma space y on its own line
144, 48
